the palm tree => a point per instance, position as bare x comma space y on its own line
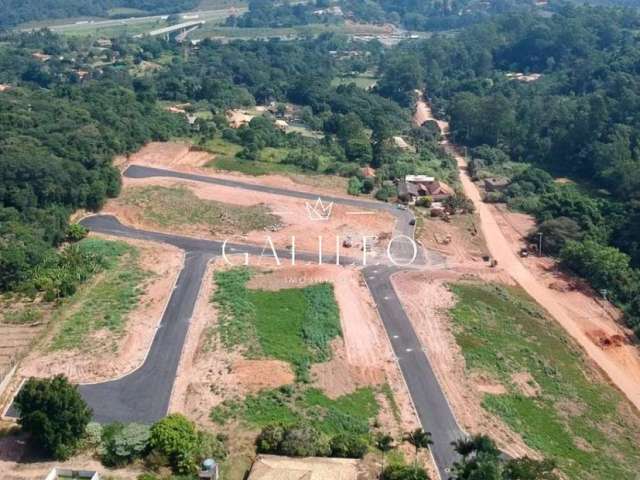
385, 443
419, 439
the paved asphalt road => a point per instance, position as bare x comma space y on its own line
429, 400
143, 395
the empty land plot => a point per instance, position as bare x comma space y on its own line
295, 325
554, 397
168, 207
104, 302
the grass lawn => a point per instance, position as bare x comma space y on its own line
294, 324
577, 418
179, 206
363, 81
105, 301
351, 413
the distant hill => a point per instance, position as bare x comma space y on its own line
14, 12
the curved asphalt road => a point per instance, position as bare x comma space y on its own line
429, 400
143, 395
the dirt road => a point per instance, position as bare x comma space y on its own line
623, 377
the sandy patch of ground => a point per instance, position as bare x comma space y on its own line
344, 222
576, 311
526, 384
102, 362
426, 301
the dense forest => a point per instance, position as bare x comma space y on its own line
14, 12
537, 98
56, 148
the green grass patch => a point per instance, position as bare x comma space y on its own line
23, 316
250, 167
363, 81
104, 302
351, 413
577, 419
295, 324
179, 206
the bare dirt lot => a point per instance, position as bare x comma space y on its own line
427, 299
102, 361
294, 220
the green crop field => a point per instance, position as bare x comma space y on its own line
577, 418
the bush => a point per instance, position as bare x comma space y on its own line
270, 439
404, 472
368, 185
175, 437
299, 440
211, 446
54, 413
555, 233
348, 446
355, 186
385, 193
121, 444
76, 232
424, 202
304, 441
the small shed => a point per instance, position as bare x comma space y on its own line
496, 184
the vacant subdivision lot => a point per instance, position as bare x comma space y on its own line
545, 388
289, 345
105, 329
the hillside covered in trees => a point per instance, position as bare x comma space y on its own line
559, 95
56, 147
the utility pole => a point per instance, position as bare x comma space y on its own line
540, 244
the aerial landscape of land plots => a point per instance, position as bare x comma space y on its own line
330, 240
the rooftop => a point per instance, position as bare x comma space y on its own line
273, 467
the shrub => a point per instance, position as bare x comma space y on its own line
121, 444
304, 441
270, 439
76, 232
404, 472
299, 440
385, 193
176, 438
424, 202
348, 446
355, 186
54, 413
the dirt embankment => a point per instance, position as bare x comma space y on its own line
427, 300
97, 360
577, 312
